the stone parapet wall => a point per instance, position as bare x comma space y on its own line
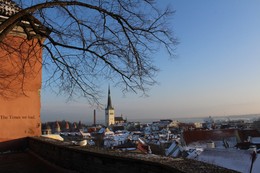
85, 159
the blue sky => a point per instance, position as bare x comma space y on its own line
216, 70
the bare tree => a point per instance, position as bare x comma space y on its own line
90, 41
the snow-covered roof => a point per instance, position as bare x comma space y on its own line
256, 165
255, 140
8, 8
102, 130
238, 160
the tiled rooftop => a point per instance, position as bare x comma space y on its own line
8, 8
215, 135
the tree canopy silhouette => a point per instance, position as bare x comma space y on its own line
90, 41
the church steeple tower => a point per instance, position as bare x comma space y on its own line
109, 111
109, 102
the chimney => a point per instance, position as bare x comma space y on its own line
94, 117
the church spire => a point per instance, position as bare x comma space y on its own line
109, 111
109, 102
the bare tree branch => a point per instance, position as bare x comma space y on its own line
90, 42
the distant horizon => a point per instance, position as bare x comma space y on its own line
184, 119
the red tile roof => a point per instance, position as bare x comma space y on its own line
244, 134
216, 135
208, 135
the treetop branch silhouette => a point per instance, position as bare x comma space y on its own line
88, 42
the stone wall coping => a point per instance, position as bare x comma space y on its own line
181, 164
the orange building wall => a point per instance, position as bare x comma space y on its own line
20, 84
